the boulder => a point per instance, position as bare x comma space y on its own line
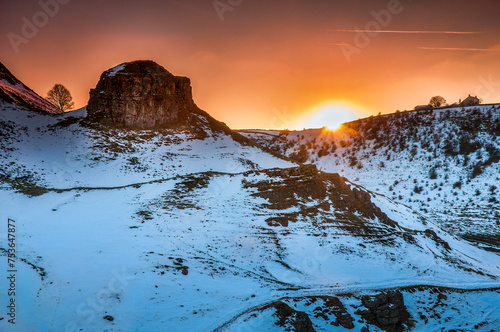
386, 311
299, 321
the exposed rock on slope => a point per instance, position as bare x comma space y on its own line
288, 317
141, 94
289, 186
333, 306
443, 162
386, 310
144, 95
14, 91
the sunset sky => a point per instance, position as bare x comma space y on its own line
266, 64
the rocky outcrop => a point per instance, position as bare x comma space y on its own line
333, 306
299, 321
290, 187
386, 311
13, 91
141, 95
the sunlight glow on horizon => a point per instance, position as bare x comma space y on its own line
330, 115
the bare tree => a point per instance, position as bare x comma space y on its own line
60, 97
437, 101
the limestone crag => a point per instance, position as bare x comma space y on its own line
141, 95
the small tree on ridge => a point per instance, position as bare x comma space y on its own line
60, 97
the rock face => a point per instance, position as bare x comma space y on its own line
288, 317
141, 95
289, 187
13, 91
386, 311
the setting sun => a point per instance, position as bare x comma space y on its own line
330, 115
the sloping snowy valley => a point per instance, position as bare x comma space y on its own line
442, 163
123, 230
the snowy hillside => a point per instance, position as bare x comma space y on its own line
60, 152
142, 212
122, 230
442, 163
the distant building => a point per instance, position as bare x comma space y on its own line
423, 107
470, 101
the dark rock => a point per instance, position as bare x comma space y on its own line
433, 236
288, 187
299, 320
386, 311
333, 306
344, 319
141, 95
442, 297
108, 317
303, 323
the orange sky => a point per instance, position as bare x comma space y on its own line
268, 62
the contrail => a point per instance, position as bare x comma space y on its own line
409, 31
457, 49
433, 48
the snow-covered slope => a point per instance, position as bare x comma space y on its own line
123, 230
60, 152
435, 309
443, 163
14, 91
